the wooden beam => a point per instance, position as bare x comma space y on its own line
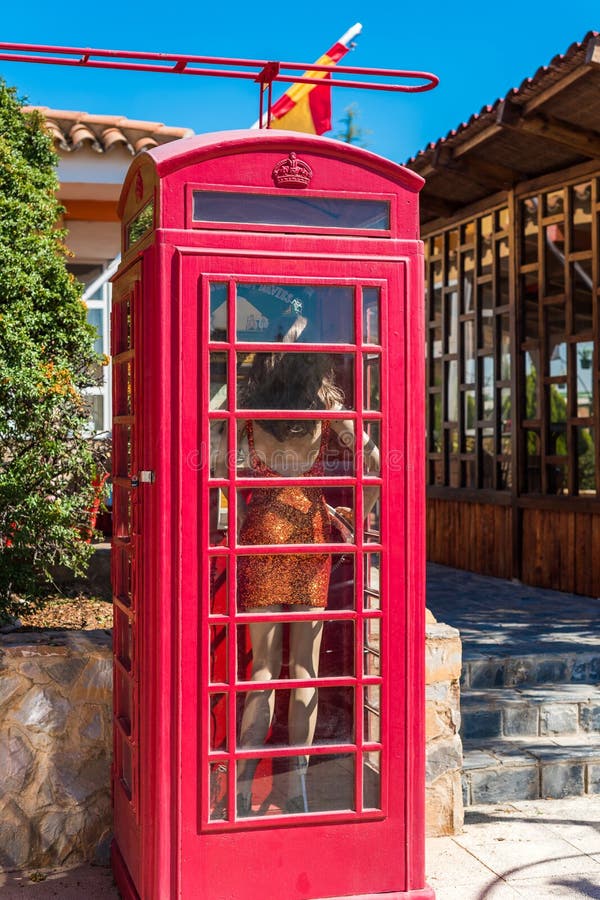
578, 140
487, 174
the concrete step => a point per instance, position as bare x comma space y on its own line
540, 711
496, 771
572, 666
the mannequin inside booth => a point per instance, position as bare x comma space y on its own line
294, 514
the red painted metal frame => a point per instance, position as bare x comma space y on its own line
176, 852
265, 73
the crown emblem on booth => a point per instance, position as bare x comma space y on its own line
292, 172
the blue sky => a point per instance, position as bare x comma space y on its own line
478, 50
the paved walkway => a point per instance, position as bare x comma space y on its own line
535, 849
506, 618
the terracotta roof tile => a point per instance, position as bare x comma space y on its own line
71, 131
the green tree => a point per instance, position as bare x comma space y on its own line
46, 358
351, 131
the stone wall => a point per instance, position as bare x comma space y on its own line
56, 744
444, 800
55, 747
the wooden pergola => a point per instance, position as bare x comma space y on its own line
510, 220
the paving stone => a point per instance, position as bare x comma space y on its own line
562, 780
551, 671
593, 771
489, 673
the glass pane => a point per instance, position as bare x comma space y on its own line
218, 311
218, 791
372, 780
218, 722
295, 380
533, 464
529, 305
123, 637
468, 280
452, 390
371, 447
486, 318
488, 453
532, 404
372, 720
502, 272
554, 249
487, 386
372, 508
218, 654
469, 416
554, 204
555, 335
295, 313
218, 381
294, 514
557, 475
122, 573
372, 647
503, 325
585, 356
586, 460
302, 716
218, 586
372, 382
581, 217
529, 225
123, 700
218, 515
341, 582
126, 767
468, 337
506, 410
218, 451
123, 450
372, 569
140, 224
95, 404
467, 233
451, 321
95, 317
435, 423
371, 313
485, 255
275, 649
295, 448
451, 258
582, 292
305, 211
295, 785
502, 219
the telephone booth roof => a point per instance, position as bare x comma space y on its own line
356, 169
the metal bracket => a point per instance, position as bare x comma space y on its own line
145, 477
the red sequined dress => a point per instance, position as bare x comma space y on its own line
294, 514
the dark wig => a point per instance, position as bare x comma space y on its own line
291, 381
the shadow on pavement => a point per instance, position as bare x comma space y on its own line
91, 882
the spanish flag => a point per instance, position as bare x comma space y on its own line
307, 107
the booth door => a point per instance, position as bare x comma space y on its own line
126, 527
290, 394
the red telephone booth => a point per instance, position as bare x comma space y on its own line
268, 523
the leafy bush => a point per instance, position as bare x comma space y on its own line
46, 357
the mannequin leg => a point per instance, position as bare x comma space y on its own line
305, 647
266, 640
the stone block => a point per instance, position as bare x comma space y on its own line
551, 671
443, 654
504, 783
444, 813
589, 717
519, 671
95, 682
42, 709
17, 837
559, 718
11, 684
481, 723
593, 778
563, 780
521, 721
487, 673
594, 669
66, 671
17, 763
443, 756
